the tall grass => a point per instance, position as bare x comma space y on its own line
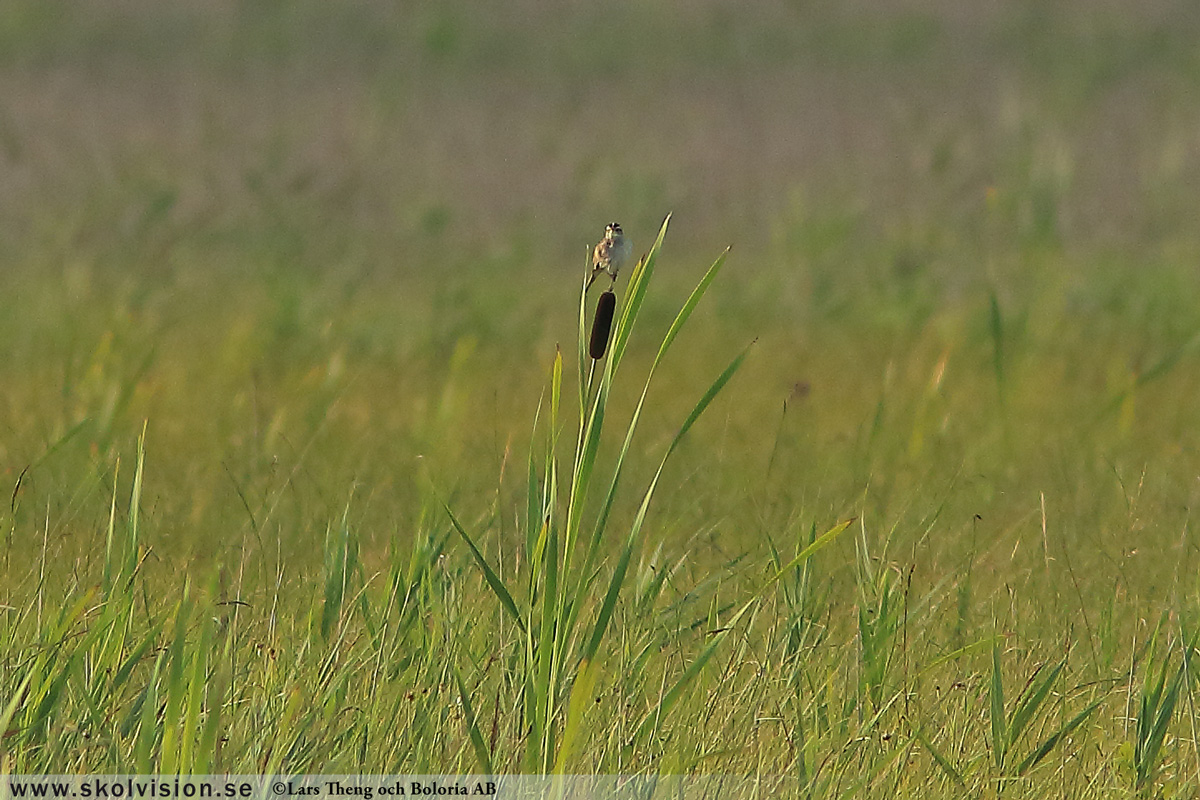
989, 356
564, 611
582, 638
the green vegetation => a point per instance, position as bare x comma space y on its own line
306, 468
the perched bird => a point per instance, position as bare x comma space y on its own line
611, 253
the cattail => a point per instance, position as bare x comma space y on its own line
602, 325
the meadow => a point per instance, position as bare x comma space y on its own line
305, 470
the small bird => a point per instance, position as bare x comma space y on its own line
611, 253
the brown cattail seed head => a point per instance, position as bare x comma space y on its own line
602, 325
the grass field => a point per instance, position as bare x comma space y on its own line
295, 470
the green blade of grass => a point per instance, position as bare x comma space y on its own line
135, 503
207, 758
335, 583
147, 733
1034, 758
195, 695
546, 679
286, 729
135, 657
10, 709
667, 702
45, 708
1028, 706
482, 756
581, 694
172, 721
556, 374
672, 696
111, 568
942, 762
493, 580
708, 397
999, 728
959, 653
533, 504
1158, 730
807, 552
690, 304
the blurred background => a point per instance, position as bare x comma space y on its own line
278, 278
454, 132
335, 241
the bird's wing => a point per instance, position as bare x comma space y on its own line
601, 255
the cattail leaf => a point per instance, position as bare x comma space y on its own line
619, 576
636, 293
690, 305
